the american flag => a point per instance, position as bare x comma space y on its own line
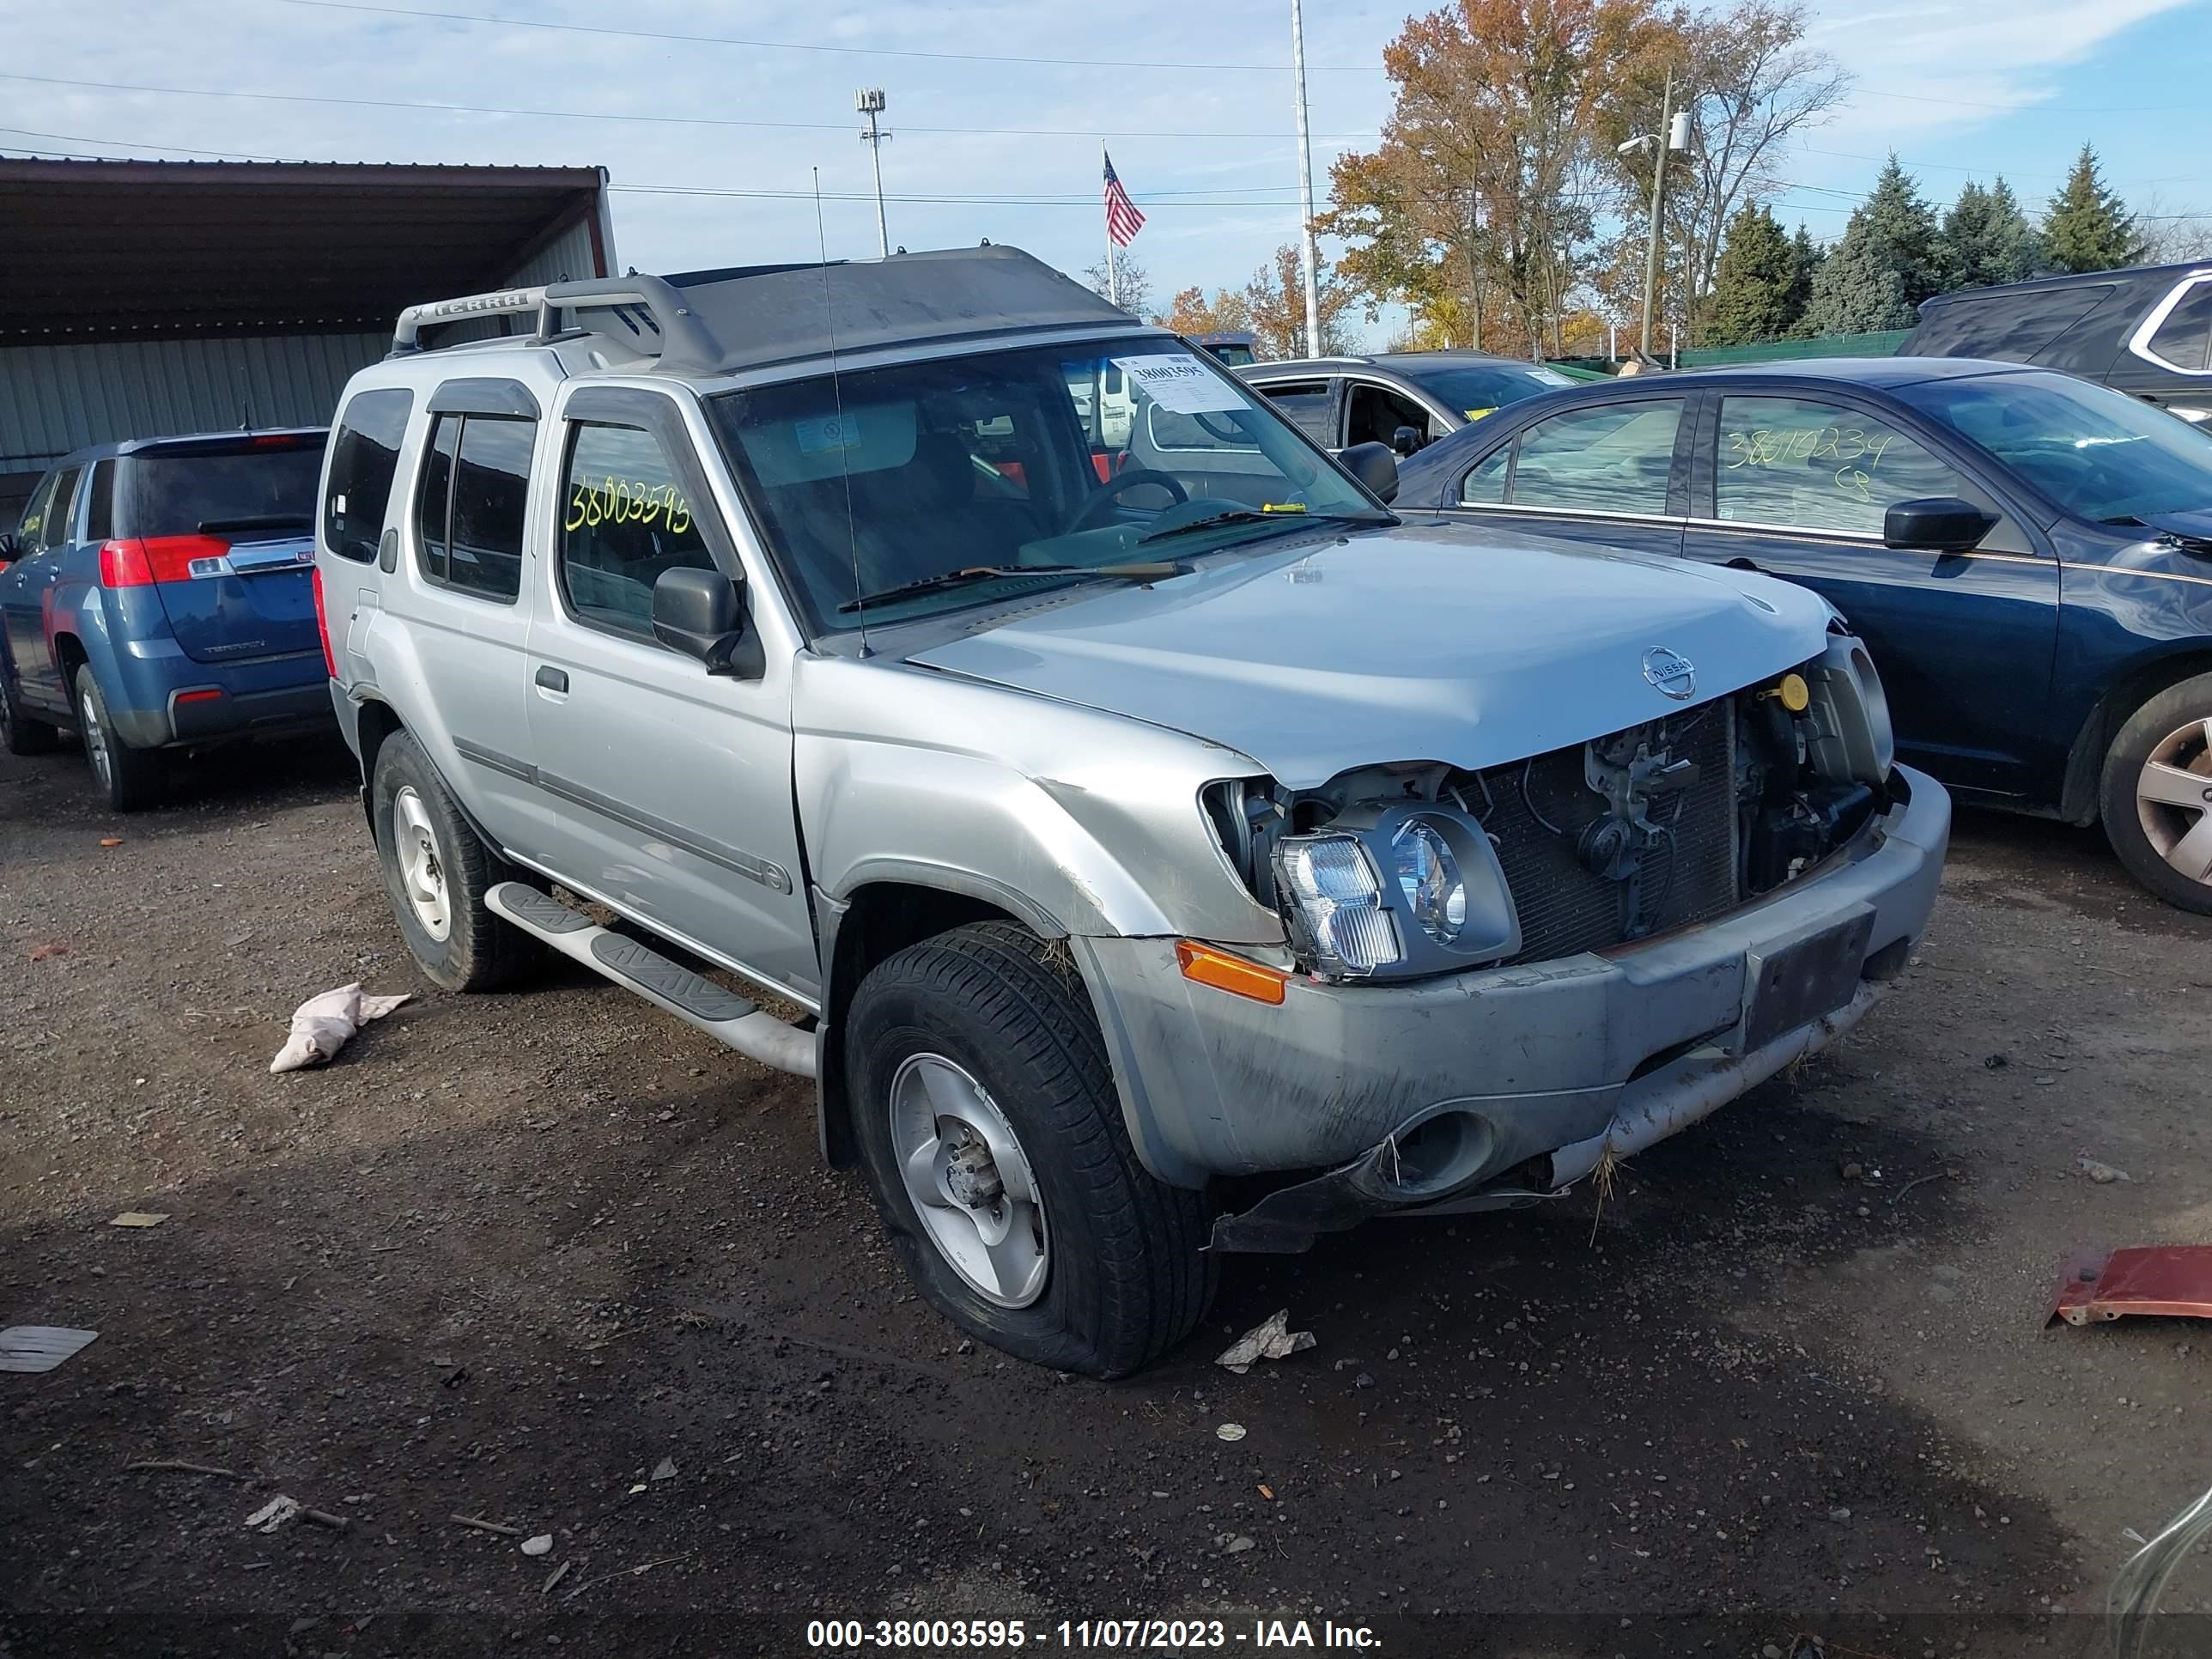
1123, 221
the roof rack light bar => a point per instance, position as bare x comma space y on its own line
506, 302
685, 342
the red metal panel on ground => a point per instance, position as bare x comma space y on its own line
2173, 1279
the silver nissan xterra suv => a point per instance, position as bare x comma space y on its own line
1115, 812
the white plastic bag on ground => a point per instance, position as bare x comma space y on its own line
1271, 1338
322, 1025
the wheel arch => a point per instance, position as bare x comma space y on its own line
892, 909
2145, 679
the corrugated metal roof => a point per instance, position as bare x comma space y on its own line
150, 250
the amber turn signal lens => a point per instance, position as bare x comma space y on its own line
1204, 965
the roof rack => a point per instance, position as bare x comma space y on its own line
658, 307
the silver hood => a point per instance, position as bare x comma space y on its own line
1416, 644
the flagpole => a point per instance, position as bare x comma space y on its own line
1113, 271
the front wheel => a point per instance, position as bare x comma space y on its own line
2156, 797
132, 779
986, 1115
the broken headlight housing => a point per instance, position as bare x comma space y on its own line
1394, 891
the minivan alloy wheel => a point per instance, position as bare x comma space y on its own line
970, 1183
422, 873
2174, 800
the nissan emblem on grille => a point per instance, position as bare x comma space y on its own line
1675, 677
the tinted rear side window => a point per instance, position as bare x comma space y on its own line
475, 484
254, 490
99, 511
1614, 457
2184, 340
364, 457
2010, 327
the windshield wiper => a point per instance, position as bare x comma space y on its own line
1151, 571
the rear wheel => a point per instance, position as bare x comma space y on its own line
2156, 797
134, 778
19, 733
986, 1114
436, 872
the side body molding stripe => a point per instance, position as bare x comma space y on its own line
732, 859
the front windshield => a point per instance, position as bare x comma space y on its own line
2098, 454
1054, 460
1473, 390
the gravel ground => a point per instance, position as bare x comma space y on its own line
554, 1261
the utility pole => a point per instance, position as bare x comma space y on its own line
869, 101
1673, 134
1310, 255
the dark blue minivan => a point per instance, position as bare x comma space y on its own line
159, 595
2027, 555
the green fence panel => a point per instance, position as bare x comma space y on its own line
1884, 344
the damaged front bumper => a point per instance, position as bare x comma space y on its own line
1470, 1091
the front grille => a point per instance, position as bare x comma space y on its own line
1537, 810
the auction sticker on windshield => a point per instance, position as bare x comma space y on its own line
1181, 385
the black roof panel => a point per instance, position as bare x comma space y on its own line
762, 315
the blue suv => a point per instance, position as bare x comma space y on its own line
159, 595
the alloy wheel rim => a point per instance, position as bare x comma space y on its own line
421, 872
95, 739
2174, 800
971, 1182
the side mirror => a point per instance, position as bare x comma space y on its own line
699, 613
1374, 465
1407, 439
1936, 524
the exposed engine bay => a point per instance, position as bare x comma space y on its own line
1422, 867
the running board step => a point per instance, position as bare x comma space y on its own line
722, 1015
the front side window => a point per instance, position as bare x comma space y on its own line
1374, 413
2100, 455
1804, 464
364, 459
928, 472
30, 529
470, 506
626, 518
1614, 457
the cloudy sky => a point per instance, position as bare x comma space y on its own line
999, 108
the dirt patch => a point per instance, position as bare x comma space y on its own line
509, 1256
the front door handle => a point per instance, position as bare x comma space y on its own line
553, 679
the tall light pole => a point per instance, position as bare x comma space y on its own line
1674, 134
869, 101
1309, 254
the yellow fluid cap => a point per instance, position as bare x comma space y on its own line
1793, 693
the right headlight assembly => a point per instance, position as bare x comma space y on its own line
1395, 891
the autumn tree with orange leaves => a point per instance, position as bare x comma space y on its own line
1496, 193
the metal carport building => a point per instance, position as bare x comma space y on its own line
141, 299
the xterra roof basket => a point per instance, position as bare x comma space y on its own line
718, 322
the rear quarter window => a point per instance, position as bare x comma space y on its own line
2011, 328
364, 459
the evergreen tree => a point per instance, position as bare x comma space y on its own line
1987, 239
1750, 297
1806, 257
2089, 227
1884, 267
